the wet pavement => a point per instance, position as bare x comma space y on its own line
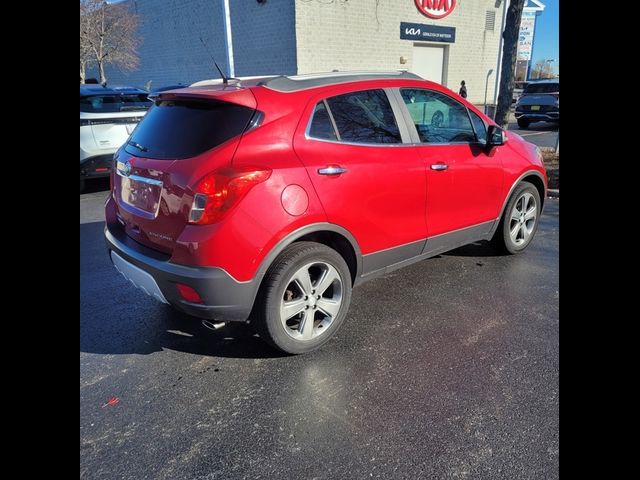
445, 369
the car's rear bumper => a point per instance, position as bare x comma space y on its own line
538, 117
223, 297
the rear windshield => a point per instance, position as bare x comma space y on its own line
542, 88
176, 129
115, 103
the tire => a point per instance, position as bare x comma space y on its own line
81, 184
513, 219
523, 123
285, 289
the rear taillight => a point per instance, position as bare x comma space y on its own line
217, 192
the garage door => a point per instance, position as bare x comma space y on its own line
428, 62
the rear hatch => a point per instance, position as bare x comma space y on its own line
183, 137
112, 116
539, 94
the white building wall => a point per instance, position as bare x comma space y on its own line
353, 34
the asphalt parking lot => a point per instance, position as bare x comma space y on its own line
445, 369
541, 134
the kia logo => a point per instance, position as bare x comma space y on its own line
436, 8
412, 31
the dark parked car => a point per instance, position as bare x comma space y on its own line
540, 102
270, 199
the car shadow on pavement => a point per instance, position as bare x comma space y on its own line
476, 249
93, 185
116, 318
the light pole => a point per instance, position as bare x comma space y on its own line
486, 86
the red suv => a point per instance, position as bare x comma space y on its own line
269, 199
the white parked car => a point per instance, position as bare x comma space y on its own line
107, 118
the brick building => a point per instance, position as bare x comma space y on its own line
261, 37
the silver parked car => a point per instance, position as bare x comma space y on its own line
539, 102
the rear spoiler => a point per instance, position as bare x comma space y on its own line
239, 96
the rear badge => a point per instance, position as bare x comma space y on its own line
161, 236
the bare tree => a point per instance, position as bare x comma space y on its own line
85, 47
110, 32
509, 52
542, 69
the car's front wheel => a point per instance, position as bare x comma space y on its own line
519, 221
304, 298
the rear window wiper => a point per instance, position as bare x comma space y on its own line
137, 145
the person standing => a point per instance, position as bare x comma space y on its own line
463, 90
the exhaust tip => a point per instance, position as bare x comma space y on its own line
213, 325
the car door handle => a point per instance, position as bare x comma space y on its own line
332, 170
439, 166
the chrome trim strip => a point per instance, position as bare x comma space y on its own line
138, 178
150, 181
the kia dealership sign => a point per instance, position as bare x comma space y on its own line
436, 8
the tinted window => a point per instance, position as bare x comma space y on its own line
542, 88
479, 127
438, 118
364, 117
321, 126
114, 103
175, 129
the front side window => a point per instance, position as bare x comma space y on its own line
437, 117
479, 126
365, 117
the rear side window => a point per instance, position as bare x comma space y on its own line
175, 129
542, 88
321, 126
114, 103
364, 117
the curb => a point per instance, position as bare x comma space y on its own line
553, 193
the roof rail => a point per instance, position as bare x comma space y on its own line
296, 83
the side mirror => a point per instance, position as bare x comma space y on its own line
495, 136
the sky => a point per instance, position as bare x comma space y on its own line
546, 42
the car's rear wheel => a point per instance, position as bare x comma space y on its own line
304, 298
519, 221
523, 123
